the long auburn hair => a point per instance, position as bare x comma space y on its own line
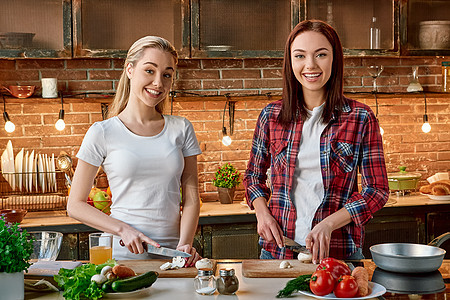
133, 56
293, 105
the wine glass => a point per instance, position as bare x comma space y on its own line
375, 72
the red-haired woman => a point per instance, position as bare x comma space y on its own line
314, 140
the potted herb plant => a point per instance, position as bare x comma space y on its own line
16, 247
226, 179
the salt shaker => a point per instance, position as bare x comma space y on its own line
227, 283
204, 282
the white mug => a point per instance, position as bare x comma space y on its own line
49, 88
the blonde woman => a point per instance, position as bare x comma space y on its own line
147, 157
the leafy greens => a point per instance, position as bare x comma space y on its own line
77, 283
301, 283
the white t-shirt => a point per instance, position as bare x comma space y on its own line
307, 186
144, 174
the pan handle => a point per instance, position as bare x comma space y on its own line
440, 239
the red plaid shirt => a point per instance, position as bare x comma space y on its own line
349, 143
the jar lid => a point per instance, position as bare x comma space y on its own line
205, 272
226, 272
403, 175
446, 63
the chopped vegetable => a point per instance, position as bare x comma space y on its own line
301, 283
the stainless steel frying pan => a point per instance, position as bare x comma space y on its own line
410, 258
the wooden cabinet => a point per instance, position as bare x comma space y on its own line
364, 27
30, 28
107, 28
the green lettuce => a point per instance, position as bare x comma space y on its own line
77, 284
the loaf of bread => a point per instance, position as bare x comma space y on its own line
440, 187
426, 189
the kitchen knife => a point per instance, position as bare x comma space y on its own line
162, 250
294, 246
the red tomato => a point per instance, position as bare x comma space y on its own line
347, 287
322, 283
336, 267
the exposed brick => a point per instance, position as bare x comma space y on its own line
263, 63
189, 64
222, 63
85, 107
118, 63
55, 141
241, 74
19, 75
64, 74
263, 83
187, 84
104, 74
198, 74
89, 85
6, 64
39, 64
272, 73
88, 63
223, 84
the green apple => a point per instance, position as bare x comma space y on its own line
102, 201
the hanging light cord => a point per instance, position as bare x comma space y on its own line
376, 104
425, 99
4, 103
224, 129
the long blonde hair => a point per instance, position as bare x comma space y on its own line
133, 56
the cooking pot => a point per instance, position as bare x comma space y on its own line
410, 258
422, 283
20, 91
403, 181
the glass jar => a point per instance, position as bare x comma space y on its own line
446, 76
227, 283
204, 282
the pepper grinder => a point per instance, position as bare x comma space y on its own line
227, 283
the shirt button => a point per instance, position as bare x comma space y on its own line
324, 169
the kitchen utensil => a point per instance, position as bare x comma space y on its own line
46, 245
14, 40
403, 181
20, 91
64, 163
270, 268
142, 266
408, 257
294, 246
18, 167
162, 251
13, 215
422, 283
434, 34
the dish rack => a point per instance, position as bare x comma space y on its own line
52, 197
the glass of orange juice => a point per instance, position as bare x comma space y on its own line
100, 247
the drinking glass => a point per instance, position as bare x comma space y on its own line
100, 247
375, 72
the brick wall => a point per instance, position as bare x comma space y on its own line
400, 115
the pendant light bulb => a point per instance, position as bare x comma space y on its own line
226, 140
9, 126
426, 127
60, 124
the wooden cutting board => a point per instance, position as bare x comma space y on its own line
142, 266
271, 268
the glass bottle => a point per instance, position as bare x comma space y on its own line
204, 282
446, 76
227, 283
374, 35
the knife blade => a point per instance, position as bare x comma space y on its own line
294, 246
166, 251
161, 250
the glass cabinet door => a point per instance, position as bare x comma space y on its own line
107, 28
236, 28
30, 28
427, 27
364, 27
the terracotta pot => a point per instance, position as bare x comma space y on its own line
226, 195
13, 215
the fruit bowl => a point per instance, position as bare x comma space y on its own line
13, 215
46, 245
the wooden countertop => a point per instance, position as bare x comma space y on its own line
214, 209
